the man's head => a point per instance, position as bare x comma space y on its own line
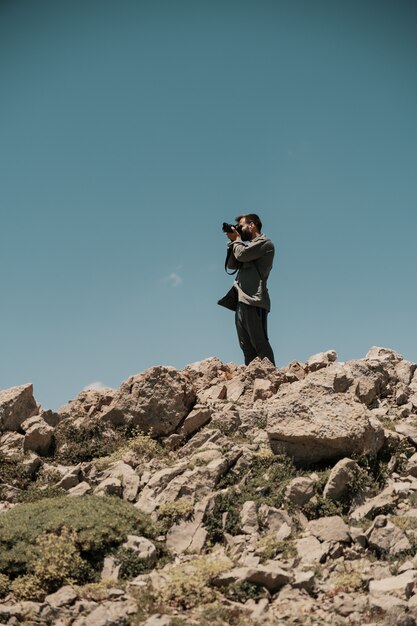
251, 225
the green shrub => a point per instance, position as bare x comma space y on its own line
27, 588
87, 441
13, 472
188, 584
172, 512
59, 561
4, 585
100, 524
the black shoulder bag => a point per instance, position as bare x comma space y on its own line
230, 300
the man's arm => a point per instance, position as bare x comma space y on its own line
232, 264
252, 251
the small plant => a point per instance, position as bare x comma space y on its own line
172, 512
27, 587
142, 446
58, 561
188, 584
87, 441
350, 582
243, 591
4, 585
268, 547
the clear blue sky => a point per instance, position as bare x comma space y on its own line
130, 130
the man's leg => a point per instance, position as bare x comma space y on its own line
256, 328
245, 343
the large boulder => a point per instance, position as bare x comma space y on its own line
311, 420
16, 405
88, 403
156, 401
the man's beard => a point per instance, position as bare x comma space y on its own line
245, 235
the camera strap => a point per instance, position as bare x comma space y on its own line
229, 252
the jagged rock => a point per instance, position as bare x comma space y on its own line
270, 575
311, 422
300, 490
411, 467
294, 372
340, 478
272, 519
16, 405
39, 437
196, 419
31, 464
408, 429
235, 389
63, 597
109, 487
189, 535
121, 473
111, 569
311, 551
401, 586
386, 537
320, 360
108, 614
213, 393
80, 490
51, 418
204, 373
304, 580
158, 620
249, 517
331, 528
384, 501
144, 549
156, 401
10, 443
88, 403
263, 389
383, 354
71, 479
346, 603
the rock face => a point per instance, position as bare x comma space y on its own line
16, 405
155, 401
311, 421
256, 495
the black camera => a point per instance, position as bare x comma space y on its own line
227, 228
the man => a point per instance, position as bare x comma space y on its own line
254, 262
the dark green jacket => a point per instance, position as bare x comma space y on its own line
254, 261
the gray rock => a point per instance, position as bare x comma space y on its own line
109, 487
143, 547
331, 528
263, 389
339, 479
388, 539
80, 490
401, 586
270, 575
300, 490
384, 501
39, 437
320, 360
16, 405
63, 597
311, 422
196, 419
156, 401
249, 517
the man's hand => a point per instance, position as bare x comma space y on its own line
234, 235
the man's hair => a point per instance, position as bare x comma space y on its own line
251, 217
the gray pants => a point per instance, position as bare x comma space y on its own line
252, 332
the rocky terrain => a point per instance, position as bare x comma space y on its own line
218, 494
